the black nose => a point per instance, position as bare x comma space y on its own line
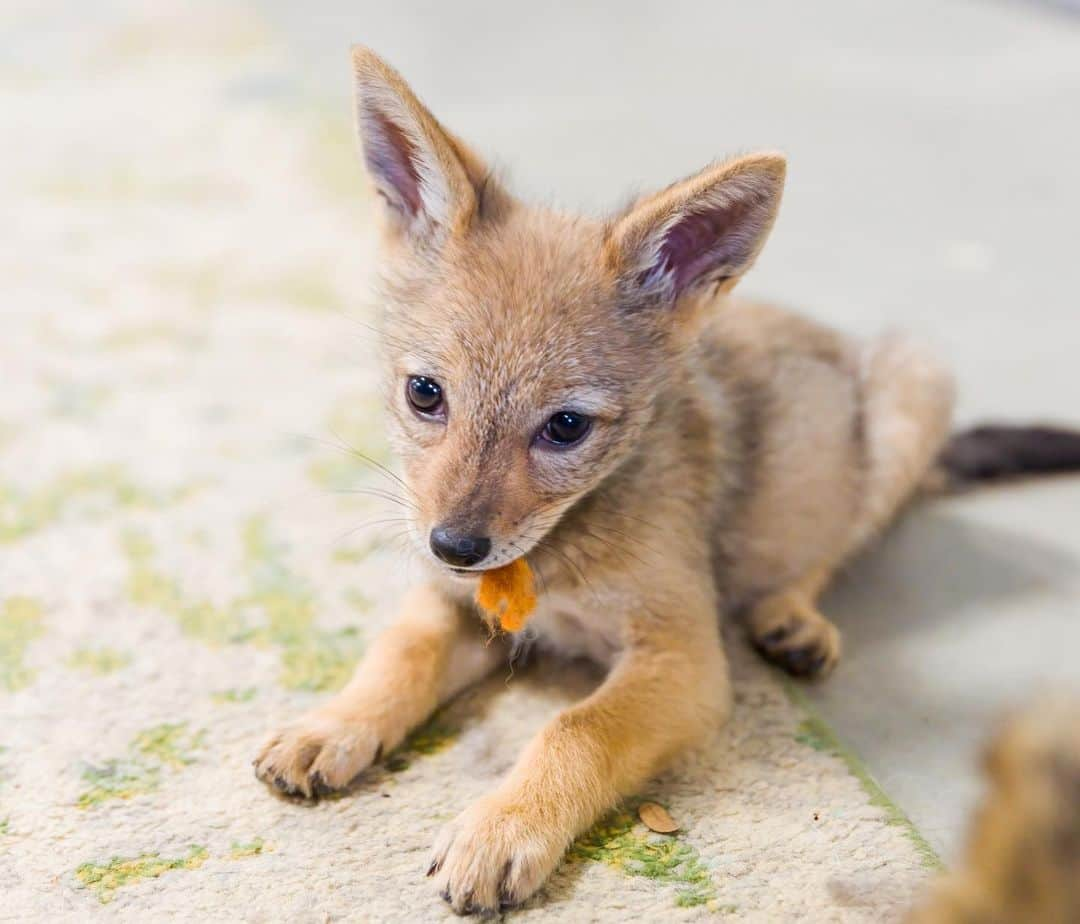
458, 550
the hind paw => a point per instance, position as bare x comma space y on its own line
792, 634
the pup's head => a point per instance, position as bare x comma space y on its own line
525, 349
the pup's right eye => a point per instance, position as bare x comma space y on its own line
424, 394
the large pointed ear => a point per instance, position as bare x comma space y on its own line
429, 179
702, 232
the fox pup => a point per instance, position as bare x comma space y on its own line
586, 394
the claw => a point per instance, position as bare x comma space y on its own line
774, 637
319, 787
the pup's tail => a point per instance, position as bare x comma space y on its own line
1000, 452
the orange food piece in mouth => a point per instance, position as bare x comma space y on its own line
508, 593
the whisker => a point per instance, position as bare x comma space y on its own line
619, 550
608, 511
368, 524
380, 493
552, 549
625, 535
344, 445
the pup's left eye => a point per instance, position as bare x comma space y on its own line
566, 428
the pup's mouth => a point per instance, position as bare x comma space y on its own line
469, 572
480, 571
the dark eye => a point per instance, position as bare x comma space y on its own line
424, 394
565, 428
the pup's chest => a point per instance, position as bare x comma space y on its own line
571, 627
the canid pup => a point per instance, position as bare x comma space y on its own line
585, 393
1022, 860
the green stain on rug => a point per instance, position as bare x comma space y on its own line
154, 333
307, 288
100, 661
240, 851
202, 285
433, 736
20, 623
312, 658
8, 432
149, 587
5, 822
279, 610
126, 185
358, 600
234, 695
333, 161
104, 879
815, 732
620, 842
91, 492
168, 745
207, 285
77, 400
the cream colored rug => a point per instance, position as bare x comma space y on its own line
184, 360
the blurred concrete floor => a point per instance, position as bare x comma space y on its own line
933, 185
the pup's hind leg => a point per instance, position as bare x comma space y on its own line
907, 398
907, 402
788, 629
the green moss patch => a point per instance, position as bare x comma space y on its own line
814, 732
20, 623
620, 842
278, 609
105, 879
170, 745
99, 661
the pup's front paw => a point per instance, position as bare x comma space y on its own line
317, 755
494, 855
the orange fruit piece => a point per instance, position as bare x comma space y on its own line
508, 593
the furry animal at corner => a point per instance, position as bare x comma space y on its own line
1022, 862
586, 395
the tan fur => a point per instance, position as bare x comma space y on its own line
738, 455
1022, 862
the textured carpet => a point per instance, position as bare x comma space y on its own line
185, 562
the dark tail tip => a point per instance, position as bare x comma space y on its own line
995, 452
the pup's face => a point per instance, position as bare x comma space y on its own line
515, 383
524, 350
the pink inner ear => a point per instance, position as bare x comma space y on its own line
391, 158
707, 245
